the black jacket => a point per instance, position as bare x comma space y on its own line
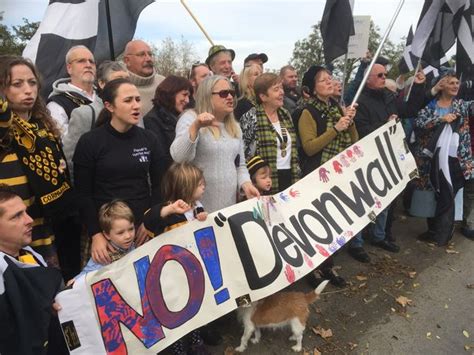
163, 123
376, 106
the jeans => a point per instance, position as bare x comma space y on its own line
378, 229
356, 241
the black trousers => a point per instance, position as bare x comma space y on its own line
67, 233
284, 179
441, 227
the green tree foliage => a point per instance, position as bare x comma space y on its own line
13, 41
309, 51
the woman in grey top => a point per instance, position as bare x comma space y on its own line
210, 137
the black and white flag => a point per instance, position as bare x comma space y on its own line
67, 23
337, 25
408, 61
438, 28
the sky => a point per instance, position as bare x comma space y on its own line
269, 26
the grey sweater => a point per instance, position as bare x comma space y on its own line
221, 160
82, 120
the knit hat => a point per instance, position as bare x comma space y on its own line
310, 76
217, 49
255, 163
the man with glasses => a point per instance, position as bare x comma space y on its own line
140, 63
78, 89
377, 105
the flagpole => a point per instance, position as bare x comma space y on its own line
377, 52
109, 30
197, 23
413, 81
344, 75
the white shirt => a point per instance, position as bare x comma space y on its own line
283, 162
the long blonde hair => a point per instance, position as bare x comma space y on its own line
203, 99
245, 90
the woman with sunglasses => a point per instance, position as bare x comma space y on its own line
209, 137
171, 98
444, 110
269, 132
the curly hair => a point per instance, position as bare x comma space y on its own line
39, 110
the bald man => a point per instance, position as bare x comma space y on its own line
377, 105
140, 64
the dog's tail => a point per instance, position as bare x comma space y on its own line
313, 296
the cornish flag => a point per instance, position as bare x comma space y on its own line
67, 23
440, 23
408, 61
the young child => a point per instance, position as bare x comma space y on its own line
117, 223
183, 187
260, 174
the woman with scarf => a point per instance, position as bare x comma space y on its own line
269, 132
32, 161
444, 119
325, 129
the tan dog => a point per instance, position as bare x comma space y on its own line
278, 311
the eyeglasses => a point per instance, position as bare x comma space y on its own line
224, 93
142, 54
83, 61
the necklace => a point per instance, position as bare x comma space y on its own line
283, 139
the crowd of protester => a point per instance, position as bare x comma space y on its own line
118, 154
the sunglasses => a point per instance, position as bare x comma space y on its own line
381, 75
224, 93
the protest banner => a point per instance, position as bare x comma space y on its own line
359, 41
196, 273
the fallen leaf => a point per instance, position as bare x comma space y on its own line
229, 351
437, 337
361, 277
352, 346
395, 337
404, 301
428, 335
452, 269
364, 284
411, 274
468, 347
306, 352
393, 309
371, 298
324, 333
451, 251
316, 351
466, 334
415, 285
446, 306
438, 326
471, 286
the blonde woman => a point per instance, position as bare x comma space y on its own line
247, 99
209, 137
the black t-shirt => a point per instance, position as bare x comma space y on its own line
112, 165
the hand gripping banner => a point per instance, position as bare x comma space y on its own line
196, 273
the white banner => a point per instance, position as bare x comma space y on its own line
359, 42
196, 273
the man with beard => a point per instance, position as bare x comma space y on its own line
289, 79
140, 63
78, 89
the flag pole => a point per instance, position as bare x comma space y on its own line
109, 30
197, 23
344, 76
377, 52
418, 66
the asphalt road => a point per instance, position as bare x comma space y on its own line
365, 318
